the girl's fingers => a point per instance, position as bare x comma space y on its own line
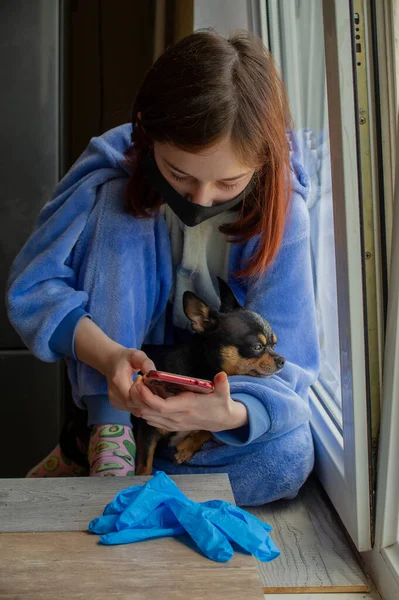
172, 404
140, 361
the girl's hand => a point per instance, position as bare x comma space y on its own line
120, 369
189, 411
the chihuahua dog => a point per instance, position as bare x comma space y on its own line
233, 339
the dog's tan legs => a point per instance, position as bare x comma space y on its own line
190, 445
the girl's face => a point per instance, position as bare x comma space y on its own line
209, 177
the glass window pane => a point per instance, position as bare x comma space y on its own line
296, 40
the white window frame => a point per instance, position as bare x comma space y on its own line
341, 441
343, 463
383, 561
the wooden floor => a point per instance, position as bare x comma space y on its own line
316, 556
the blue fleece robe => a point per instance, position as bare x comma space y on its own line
88, 257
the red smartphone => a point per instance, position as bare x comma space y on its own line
169, 384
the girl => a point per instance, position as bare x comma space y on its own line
204, 182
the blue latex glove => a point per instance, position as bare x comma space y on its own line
159, 508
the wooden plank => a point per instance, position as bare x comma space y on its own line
356, 589
330, 595
315, 554
70, 503
55, 566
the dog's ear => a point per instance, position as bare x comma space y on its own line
201, 316
228, 302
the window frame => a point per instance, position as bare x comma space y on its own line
342, 445
383, 560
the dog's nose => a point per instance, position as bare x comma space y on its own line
280, 362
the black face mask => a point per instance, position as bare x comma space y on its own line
189, 213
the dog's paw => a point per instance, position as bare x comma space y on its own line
183, 455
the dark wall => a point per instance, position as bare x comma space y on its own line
30, 405
70, 71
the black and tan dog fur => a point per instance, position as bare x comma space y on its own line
233, 339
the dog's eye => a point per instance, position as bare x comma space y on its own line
258, 347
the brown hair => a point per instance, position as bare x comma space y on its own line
205, 88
